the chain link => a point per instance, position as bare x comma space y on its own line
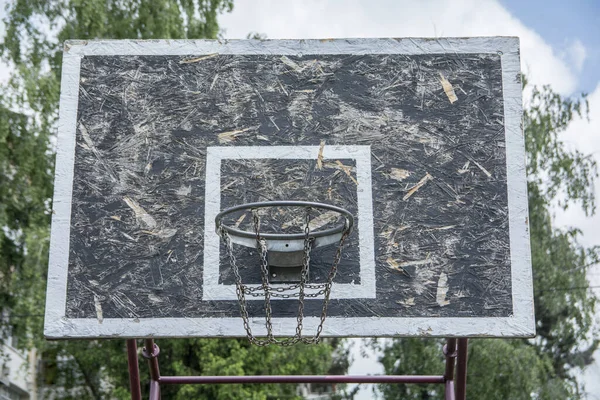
280, 292
276, 291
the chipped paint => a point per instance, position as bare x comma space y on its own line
140, 214
197, 59
448, 89
347, 170
442, 290
320, 155
418, 186
230, 136
291, 64
408, 302
98, 308
399, 174
395, 265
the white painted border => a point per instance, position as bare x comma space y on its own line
518, 204
58, 263
292, 47
520, 324
213, 290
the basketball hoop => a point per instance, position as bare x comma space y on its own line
286, 253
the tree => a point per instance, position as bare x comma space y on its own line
79, 374
25, 187
35, 30
564, 308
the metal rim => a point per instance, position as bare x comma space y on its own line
287, 203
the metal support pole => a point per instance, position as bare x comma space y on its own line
449, 390
150, 352
461, 369
450, 353
134, 370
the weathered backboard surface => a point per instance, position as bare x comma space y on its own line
420, 139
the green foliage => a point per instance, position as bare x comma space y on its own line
512, 369
35, 31
74, 367
498, 369
238, 357
564, 308
412, 356
25, 187
558, 172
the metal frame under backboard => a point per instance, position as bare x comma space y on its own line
455, 352
520, 324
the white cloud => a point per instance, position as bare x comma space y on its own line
400, 18
585, 136
4, 73
577, 54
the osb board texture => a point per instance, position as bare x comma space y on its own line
438, 172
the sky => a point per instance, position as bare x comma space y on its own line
562, 23
560, 46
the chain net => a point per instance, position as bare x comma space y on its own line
296, 290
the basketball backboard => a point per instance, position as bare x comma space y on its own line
419, 139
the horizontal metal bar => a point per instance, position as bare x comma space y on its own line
303, 379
